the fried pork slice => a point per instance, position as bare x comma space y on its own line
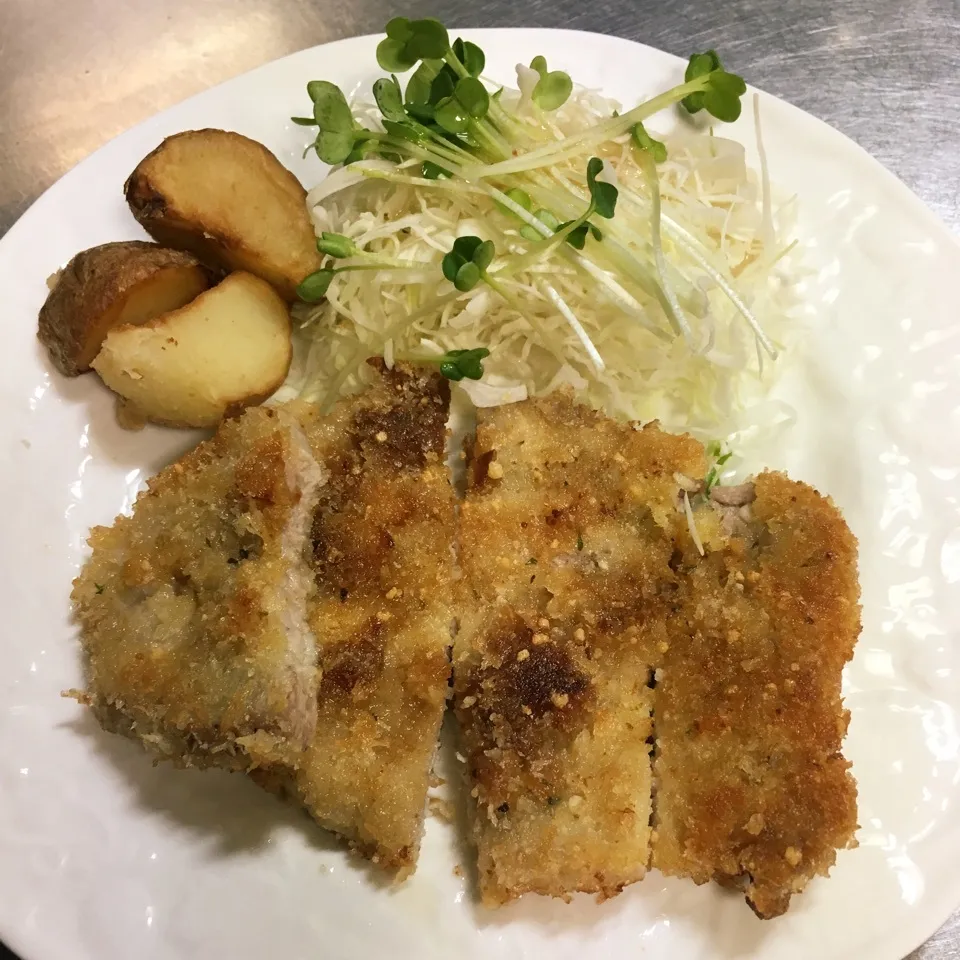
566, 546
193, 609
383, 560
751, 786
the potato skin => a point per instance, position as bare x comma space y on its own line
228, 349
96, 290
228, 200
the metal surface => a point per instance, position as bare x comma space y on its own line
74, 73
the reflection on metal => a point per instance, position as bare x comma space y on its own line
73, 78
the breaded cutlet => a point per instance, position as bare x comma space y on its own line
382, 556
566, 543
193, 609
751, 787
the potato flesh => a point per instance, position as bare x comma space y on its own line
228, 349
163, 292
110, 285
230, 202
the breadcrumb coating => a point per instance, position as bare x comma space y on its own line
382, 559
751, 785
593, 627
647, 671
192, 610
566, 550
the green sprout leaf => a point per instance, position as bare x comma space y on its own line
468, 276
304, 121
361, 150
470, 55
484, 254
699, 65
419, 84
330, 108
603, 195
336, 245
100, 587
464, 266
644, 141
466, 247
721, 98
421, 112
520, 197
408, 41
403, 131
577, 237
714, 451
333, 147
430, 40
432, 171
473, 96
450, 264
460, 364
444, 84
392, 55
332, 114
547, 218
452, 116
313, 288
386, 91
467, 101
399, 28
553, 89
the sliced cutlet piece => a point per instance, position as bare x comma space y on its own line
751, 786
566, 546
193, 609
383, 560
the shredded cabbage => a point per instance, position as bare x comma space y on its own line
702, 223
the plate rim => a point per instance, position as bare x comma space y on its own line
931, 223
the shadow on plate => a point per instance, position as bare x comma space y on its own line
232, 815
225, 811
148, 450
717, 921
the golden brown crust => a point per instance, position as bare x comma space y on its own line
193, 609
583, 583
229, 201
752, 786
565, 547
382, 536
93, 293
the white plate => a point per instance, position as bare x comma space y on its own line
104, 857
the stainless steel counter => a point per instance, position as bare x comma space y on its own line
74, 73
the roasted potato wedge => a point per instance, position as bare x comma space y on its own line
228, 349
113, 285
228, 200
